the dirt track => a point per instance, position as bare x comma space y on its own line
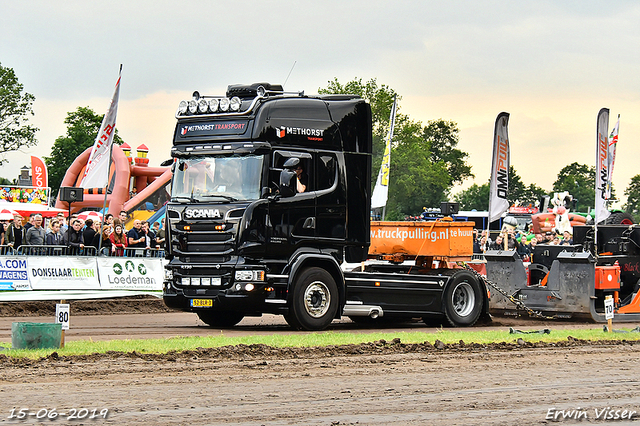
380, 383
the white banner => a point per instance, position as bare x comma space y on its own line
63, 273
96, 174
13, 274
381, 190
602, 165
130, 273
499, 184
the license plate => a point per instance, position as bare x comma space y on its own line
201, 303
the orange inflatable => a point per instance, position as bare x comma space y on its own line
146, 180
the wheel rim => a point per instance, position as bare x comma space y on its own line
464, 299
317, 299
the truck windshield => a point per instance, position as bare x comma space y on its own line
217, 178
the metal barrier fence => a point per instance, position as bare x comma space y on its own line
87, 251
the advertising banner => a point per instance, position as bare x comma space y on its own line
130, 273
24, 194
381, 190
499, 183
602, 165
63, 273
13, 274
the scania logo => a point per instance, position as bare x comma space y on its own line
202, 213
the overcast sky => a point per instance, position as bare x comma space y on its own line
551, 64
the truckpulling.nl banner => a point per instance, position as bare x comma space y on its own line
499, 184
96, 174
602, 165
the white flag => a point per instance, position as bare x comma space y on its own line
613, 142
381, 190
499, 184
602, 165
96, 174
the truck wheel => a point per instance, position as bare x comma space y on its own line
315, 300
463, 299
222, 319
619, 219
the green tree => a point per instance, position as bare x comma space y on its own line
15, 109
5, 181
476, 197
580, 181
521, 194
83, 126
632, 192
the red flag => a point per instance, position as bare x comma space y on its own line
38, 172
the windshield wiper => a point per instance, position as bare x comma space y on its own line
184, 199
226, 197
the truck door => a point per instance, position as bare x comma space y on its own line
330, 202
293, 218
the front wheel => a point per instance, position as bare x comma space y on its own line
223, 319
463, 299
315, 300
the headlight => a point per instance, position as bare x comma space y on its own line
195, 281
205, 281
249, 275
235, 103
203, 105
182, 107
185, 281
193, 106
213, 105
224, 104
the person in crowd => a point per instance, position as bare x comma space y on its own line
118, 240
161, 235
36, 234
512, 242
3, 229
136, 238
74, 238
568, 238
476, 245
30, 222
150, 241
108, 220
548, 238
88, 232
540, 238
15, 233
498, 244
123, 216
105, 246
484, 246
54, 236
532, 245
62, 222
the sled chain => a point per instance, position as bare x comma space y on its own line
519, 303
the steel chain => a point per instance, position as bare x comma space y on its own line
519, 303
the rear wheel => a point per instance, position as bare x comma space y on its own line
224, 319
620, 219
463, 299
315, 300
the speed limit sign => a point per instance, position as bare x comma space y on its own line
608, 308
62, 315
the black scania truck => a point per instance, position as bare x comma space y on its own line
270, 196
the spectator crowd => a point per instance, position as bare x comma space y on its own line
522, 242
81, 236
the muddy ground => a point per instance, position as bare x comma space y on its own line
378, 383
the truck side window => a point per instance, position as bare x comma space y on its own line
325, 171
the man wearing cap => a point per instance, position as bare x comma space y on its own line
548, 237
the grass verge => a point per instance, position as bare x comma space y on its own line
159, 346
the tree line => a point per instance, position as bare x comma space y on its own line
426, 162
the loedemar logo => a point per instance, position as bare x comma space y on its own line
142, 269
117, 268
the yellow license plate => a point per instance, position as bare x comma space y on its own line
201, 303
